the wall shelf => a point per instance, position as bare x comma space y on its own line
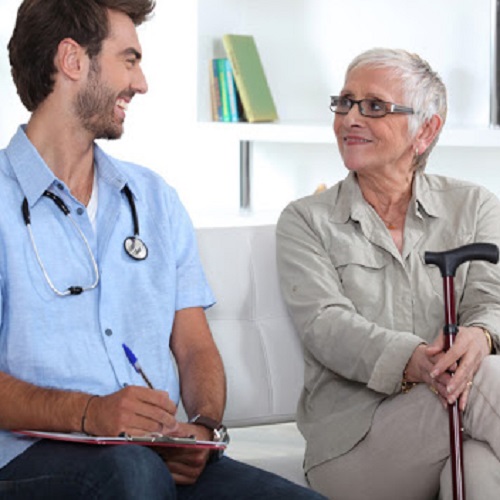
322, 133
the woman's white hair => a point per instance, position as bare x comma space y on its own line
423, 89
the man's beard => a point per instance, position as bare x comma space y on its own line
95, 107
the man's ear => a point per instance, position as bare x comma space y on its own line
427, 133
71, 59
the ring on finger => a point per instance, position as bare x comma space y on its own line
433, 389
469, 384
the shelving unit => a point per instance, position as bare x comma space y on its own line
299, 39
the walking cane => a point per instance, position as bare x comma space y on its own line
448, 263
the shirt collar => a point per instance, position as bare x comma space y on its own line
351, 204
350, 201
35, 176
424, 196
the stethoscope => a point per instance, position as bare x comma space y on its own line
133, 245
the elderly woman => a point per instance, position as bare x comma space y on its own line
369, 311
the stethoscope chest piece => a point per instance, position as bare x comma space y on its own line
136, 248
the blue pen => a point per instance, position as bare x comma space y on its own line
135, 363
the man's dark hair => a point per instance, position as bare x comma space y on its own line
42, 24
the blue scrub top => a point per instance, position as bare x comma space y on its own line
75, 342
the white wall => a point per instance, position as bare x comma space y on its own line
306, 45
11, 111
312, 49
159, 130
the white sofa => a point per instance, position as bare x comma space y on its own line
261, 351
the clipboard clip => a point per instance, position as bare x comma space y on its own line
156, 437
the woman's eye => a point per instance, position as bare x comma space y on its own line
376, 105
344, 102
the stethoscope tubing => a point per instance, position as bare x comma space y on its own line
133, 245
72, 290
131, 202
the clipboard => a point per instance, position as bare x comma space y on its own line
154, 440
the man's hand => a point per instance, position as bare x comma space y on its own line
186, 464
133, 410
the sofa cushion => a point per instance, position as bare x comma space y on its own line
278, 448
260, 349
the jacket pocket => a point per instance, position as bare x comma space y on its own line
363, 277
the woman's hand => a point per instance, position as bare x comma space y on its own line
462, 360
420, 366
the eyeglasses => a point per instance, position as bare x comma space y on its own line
373, 108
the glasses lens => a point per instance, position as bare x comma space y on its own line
340, 105
373, 107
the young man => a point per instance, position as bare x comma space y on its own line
77, 281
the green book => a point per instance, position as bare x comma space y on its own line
255, 95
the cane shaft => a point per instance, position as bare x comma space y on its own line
448, 262
454, 414
456, 451
449, 307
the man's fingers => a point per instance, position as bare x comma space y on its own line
186, 467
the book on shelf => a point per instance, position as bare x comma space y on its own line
215, 95
250, 78
232, 93
225, 106
221, 73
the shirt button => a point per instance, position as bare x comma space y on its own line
60, 186
108, 332
80, 210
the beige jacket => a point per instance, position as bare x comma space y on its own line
361, 307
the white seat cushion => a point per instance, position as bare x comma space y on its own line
261, 351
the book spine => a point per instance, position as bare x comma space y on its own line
239, 82
233, 104
224, 91
215, 91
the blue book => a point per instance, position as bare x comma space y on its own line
224, 91
232, 94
